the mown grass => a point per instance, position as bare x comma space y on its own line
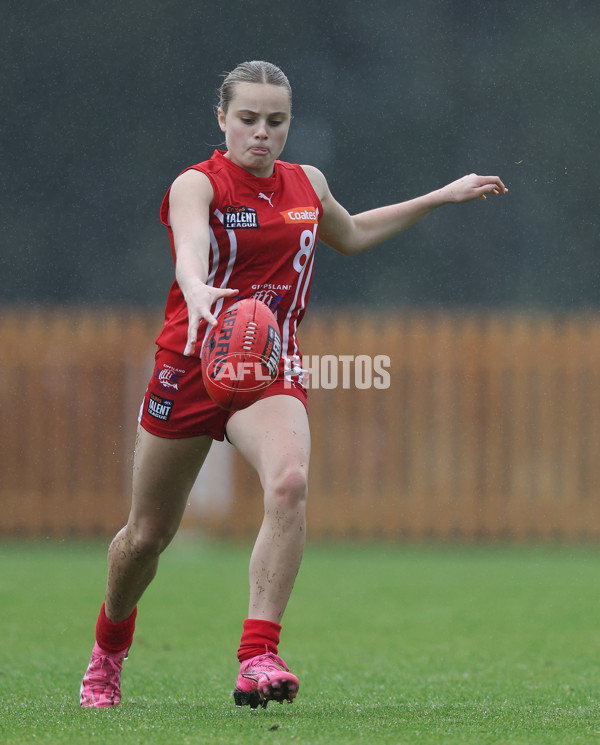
409, 644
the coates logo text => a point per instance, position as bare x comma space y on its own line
299, 215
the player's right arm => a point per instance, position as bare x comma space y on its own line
189, 207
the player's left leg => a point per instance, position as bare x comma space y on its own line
274, 437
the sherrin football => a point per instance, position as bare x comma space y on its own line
241, 355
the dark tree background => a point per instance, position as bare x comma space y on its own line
103, 104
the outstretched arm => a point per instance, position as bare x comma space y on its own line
351, 234
189, 204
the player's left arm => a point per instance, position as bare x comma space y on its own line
351, 234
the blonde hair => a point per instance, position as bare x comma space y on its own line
256, 71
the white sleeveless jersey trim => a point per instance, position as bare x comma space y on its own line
295, 369
303, 282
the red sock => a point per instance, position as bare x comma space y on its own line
258, 637
115, 637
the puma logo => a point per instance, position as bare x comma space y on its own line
268, 199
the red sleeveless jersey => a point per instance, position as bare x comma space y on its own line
263, 233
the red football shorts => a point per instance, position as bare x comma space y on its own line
177, 405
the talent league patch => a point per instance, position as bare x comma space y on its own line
236, 218
159, 407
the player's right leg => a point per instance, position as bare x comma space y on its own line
164, 471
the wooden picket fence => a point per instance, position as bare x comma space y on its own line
489, 428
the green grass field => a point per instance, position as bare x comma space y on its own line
391, 645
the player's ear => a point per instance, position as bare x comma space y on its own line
221, 119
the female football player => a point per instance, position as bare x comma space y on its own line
241, 224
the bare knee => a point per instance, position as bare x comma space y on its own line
287, 491
144, 540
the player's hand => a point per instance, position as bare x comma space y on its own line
471, 187
199, 303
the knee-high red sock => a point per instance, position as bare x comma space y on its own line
258, 637
114, 637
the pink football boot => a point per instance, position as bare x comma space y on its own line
100, 685
265, 678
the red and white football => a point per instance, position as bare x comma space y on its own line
241, 355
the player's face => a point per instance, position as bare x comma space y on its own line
256, 126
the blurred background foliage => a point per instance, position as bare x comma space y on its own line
105, 103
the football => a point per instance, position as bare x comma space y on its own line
241, 355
